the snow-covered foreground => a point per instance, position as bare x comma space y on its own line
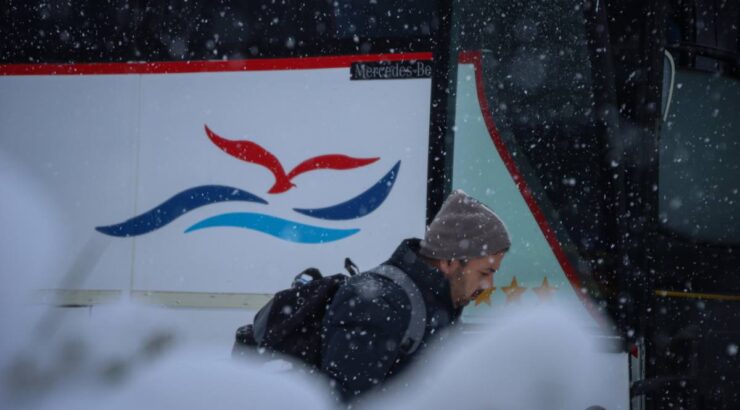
139, 357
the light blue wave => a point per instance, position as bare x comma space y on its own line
277, 227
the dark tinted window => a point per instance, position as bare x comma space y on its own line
119, 30
699, 147
538, 80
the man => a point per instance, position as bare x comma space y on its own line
365, 325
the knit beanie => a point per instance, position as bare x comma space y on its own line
464, 228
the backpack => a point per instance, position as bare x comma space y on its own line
291, 323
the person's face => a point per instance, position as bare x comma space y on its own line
468, 280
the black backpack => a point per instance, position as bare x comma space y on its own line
291, 323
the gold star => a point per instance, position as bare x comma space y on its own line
545, 291
513, 291
485, 297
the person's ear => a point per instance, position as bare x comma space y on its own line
449, 267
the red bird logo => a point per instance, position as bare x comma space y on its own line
252, 152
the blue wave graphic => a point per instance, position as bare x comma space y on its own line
360, 205
277, 227
177, 206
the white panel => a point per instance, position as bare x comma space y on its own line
107, 148
73, 138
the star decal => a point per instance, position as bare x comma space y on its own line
485, 297
545, 291
513, 291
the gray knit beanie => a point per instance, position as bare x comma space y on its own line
464, 228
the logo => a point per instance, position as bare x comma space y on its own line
248, 151
391, 70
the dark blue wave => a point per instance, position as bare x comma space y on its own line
177, 206
360, 205
277, 227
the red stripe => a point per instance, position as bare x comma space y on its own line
178, 67
474, 57
469, 57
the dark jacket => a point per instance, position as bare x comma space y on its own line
369, 316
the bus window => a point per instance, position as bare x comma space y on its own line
171, 30
699, 147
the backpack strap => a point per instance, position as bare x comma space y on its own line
259, 326
417, 325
